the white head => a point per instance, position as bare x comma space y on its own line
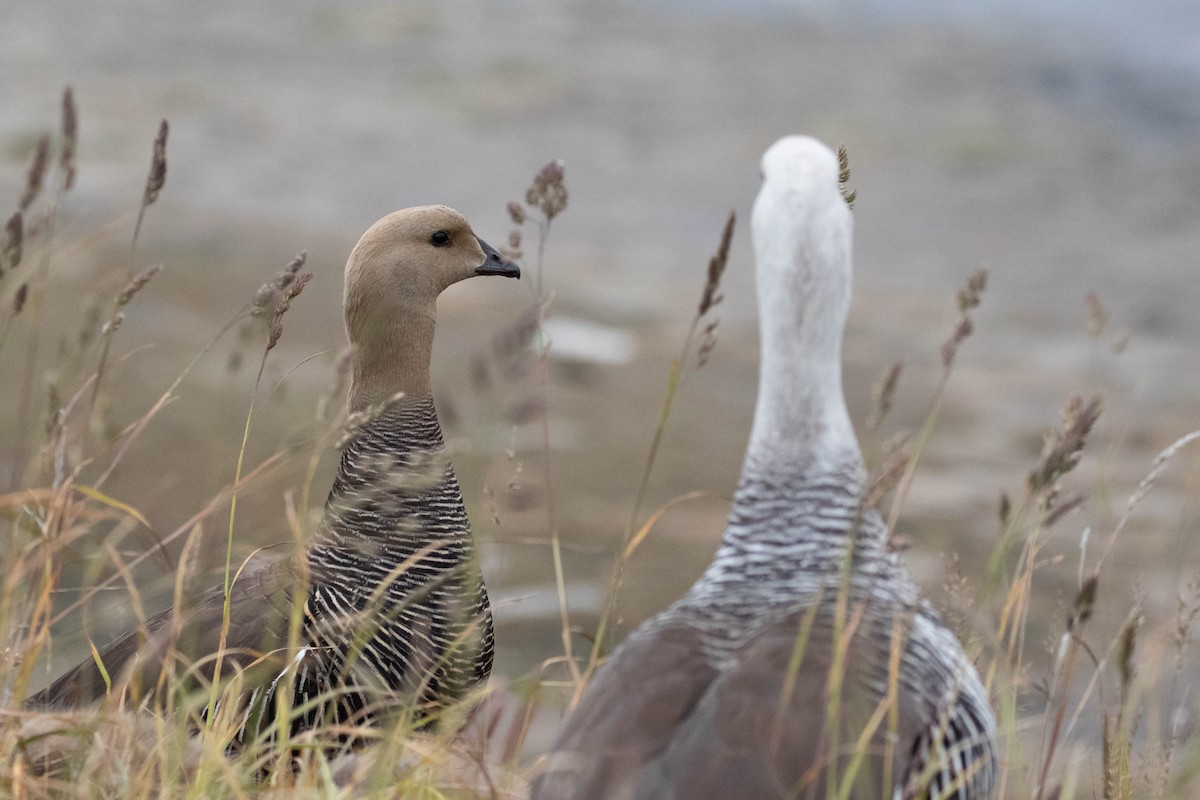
802, 233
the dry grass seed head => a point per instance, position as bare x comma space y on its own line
1085, 602
513, 251
157, 176
1128, 644
969, 298
708, 342
971, 294
882, 393
962, 330
843, 157
516, 212
1062, 448
136, 283
275, 326
70, 138
1061, 507
1160, 466
11, 250
711, 296
35, 178
716, 268
548, 193
267, 295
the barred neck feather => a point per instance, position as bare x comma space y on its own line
394, 485
789, 520
396, 530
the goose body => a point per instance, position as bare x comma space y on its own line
395, 612
803, 663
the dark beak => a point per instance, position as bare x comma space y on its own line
496, 264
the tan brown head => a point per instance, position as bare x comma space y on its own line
393, 278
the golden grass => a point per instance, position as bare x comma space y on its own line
1109, 720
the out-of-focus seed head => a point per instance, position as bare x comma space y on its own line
70, 138
35, 178
290, 293
1062, 448
883, 393
157, 177
969, 297
136, 283
516, 212
848, 194
716, 267
10, 251
548, 191
267, 294
1085, 602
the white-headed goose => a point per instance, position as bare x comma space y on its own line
803, 663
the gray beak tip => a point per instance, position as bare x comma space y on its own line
496, 264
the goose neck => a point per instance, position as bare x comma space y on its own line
392, 357
800, 417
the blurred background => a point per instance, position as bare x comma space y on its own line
1056, 144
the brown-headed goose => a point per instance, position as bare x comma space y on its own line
395, 611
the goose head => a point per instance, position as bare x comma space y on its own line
801, 230
405, 260
393, 278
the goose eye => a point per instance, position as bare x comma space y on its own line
439, 239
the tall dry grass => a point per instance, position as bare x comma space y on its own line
1110, 718
57, 505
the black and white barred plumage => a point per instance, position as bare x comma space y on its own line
396, 616
394, 564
